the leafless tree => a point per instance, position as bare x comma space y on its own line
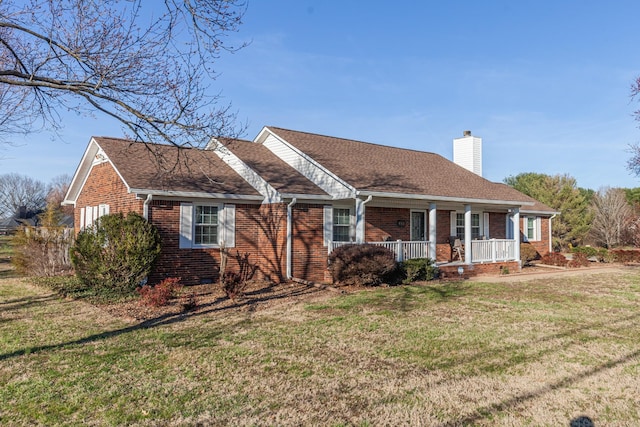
612, 216
19, 192
57, 190
146, 63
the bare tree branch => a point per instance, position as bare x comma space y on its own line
147, 67
612, 216
21, 192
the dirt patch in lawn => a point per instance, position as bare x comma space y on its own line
210, 298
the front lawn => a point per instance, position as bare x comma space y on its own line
541, 352
6, 252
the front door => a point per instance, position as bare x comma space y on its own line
418, 225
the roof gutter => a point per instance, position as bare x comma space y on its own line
445, 198
290, 236
194, 194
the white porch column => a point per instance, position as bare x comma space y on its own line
516, 233
467, 234
432, 230
360, 222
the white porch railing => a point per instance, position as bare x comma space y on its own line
493, 250
401, 249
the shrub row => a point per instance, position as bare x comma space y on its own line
625, 255
604, 255
554, 258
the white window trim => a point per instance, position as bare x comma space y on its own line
219, 208
483, 223
328, 222
226, 225
537, 235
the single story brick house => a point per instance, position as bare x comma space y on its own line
286, 199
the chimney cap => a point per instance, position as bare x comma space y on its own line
466, 133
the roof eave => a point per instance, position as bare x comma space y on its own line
196, 194
445, 198
539, 212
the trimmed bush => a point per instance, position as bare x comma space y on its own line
554, 258
601, 254
625, 255
419, 269
365, 265
233, 285
579, 260
160, 294
527, 253
117, 253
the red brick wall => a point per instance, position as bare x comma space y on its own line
541, 246
272, 241
104, 186
201, 265
443, 232
382, 224
309, 253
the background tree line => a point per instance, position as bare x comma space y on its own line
608, 217
24, 197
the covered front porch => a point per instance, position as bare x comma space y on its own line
483, 233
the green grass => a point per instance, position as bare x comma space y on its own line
529, 353
5, 246
6, 252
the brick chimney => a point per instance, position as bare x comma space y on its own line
467, 152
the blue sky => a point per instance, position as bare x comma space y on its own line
546, 84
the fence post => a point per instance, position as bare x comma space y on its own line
399, 250
494, 250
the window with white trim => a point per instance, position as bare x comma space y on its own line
207, 225
341, 224
531, 228
457, 225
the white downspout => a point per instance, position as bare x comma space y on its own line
290, 236
550, 235
145, 206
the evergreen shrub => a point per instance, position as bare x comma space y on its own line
117, 253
